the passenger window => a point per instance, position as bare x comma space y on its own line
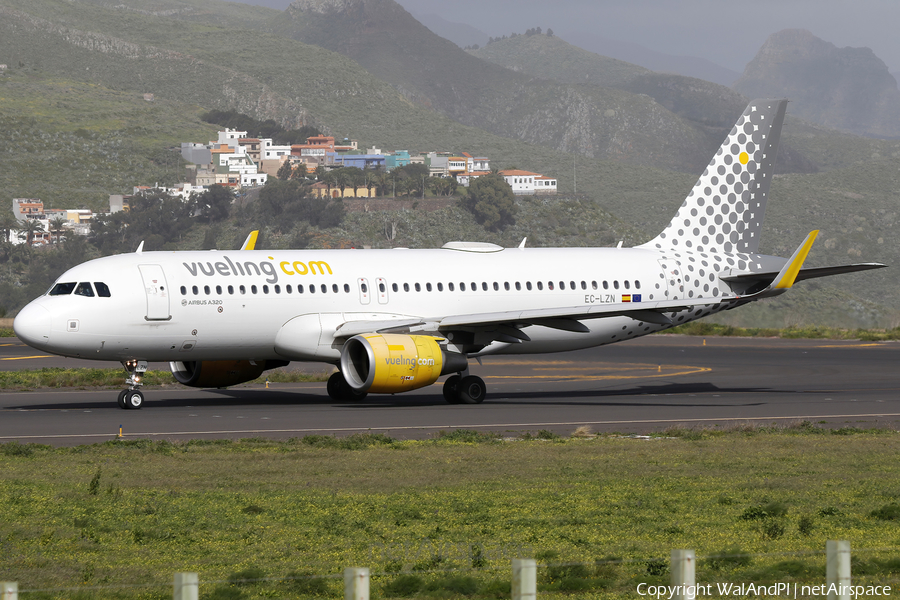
584, 285
540, 285
206, 290
300, 289
450, 286
363, 287
462, 286
252, 289
183, 291
347, 288
405, 287
562, 285
219, 290
84, 289
506, 285
277, 289
518, 286
242, 289
194, 290
427, 287
62, 289
572, 284
474, 287
594, 284
395, 287
616, 284
440, 286
231, 290
605, 285
549, 285
312, 288
484, 285
381, 288
324, 288
637, 285
334, 288
528, 285
418, 288
265, 289
627, 284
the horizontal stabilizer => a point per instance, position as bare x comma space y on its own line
804, 274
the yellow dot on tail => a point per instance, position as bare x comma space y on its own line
744, 158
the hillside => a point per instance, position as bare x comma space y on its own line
80, 130
432, 71
708, 107
842, 88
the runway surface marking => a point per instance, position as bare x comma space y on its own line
657, 371
26, 357
430, 427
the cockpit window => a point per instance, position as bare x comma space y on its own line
102, 289
84, 289
62, 289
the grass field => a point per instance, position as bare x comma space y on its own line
443, 518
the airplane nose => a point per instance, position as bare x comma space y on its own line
32, 325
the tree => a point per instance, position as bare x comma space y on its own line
215, 203
56, 225
8, 224
491, 200
284, 171
28, 228
299, 173
549, 32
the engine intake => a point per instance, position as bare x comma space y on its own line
392, 363
220, 373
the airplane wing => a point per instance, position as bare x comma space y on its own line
566, 318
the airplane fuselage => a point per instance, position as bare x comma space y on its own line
217, 305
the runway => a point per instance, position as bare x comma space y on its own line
640, 386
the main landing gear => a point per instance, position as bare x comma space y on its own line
464, 389
133, 397
339, 389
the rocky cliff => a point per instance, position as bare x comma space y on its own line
844, 88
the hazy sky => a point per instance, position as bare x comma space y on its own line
727, 32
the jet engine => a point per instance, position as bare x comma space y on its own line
220, 373
392, 363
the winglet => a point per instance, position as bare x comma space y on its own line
522, 245
788, 274
140, 248
250, 242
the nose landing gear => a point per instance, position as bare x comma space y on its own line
133, 397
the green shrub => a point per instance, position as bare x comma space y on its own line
248, 576
765, 511
403, 586
888, 512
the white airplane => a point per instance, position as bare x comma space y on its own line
396, 320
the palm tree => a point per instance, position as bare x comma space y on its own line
56, 225
8, 224
28, 228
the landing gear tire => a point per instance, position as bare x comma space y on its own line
134, 399
451, 389
472, 390
339, 389
122, 399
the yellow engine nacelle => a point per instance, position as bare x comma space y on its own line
220, 373
391, 363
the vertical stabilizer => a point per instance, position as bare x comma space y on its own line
725, 210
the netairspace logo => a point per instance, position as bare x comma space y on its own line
742, 590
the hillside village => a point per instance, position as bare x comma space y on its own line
239, 162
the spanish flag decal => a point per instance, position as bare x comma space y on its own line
626, 297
